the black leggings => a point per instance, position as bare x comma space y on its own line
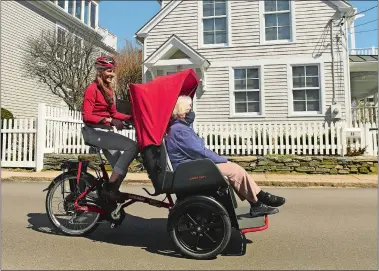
112, 144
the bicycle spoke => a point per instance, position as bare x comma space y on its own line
210, 238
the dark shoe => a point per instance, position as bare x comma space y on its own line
112, 193
261, 210
271, 200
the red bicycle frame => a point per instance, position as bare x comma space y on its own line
127, 196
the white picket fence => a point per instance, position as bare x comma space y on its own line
18, 138
306, 138
58, 130
63, 131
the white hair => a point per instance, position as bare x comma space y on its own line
183, 106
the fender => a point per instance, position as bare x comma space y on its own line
88, 178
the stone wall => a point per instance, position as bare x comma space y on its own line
308, 164
279, 164
54, 161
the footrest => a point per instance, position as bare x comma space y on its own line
247, 223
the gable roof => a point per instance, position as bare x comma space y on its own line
175, 42
341, 5
162, 13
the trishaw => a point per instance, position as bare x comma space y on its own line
202, 207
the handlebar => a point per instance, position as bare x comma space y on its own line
128, 125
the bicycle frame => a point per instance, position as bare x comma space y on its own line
133, 198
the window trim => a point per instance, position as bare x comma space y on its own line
96, 15
291, 112
88, 21
65, 5
201, 28
232, 113
262, 24
57, 27
65, 29
81, 45
73, 3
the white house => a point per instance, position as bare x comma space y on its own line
258, 60
23, 19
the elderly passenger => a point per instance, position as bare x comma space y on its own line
183, 144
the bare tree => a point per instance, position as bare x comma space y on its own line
129, 68
64, 62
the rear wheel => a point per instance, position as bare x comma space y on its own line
200, 227
61, 210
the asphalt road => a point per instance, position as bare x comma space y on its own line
316, 229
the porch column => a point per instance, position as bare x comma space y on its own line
352, 36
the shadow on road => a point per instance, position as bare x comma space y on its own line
148, 234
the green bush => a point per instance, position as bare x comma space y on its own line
6, 114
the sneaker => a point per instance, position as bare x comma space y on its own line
271, 200
262, 210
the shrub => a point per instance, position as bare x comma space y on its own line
355, 152
6, 114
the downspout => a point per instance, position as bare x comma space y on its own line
332, 48
349, 101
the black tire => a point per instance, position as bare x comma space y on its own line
55, 222
199, 205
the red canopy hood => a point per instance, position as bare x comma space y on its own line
152, 104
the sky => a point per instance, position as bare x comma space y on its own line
125, 18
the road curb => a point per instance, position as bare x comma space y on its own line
293, 184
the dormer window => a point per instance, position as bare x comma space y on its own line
78, 10
61, 3
71, 7
85, 10
93, 14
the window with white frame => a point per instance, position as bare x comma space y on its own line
93, 14
215, 22
71, 7
247, 90
306, 91
86, 11
61, 40
78, 9
61, 3
77, 50
277, 20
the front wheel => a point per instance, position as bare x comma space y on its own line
199, 227
68, 220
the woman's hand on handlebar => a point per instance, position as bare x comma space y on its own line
117, 123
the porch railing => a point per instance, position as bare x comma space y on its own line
364, 51
366, 113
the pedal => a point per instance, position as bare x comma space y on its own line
113, 225
116, 213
